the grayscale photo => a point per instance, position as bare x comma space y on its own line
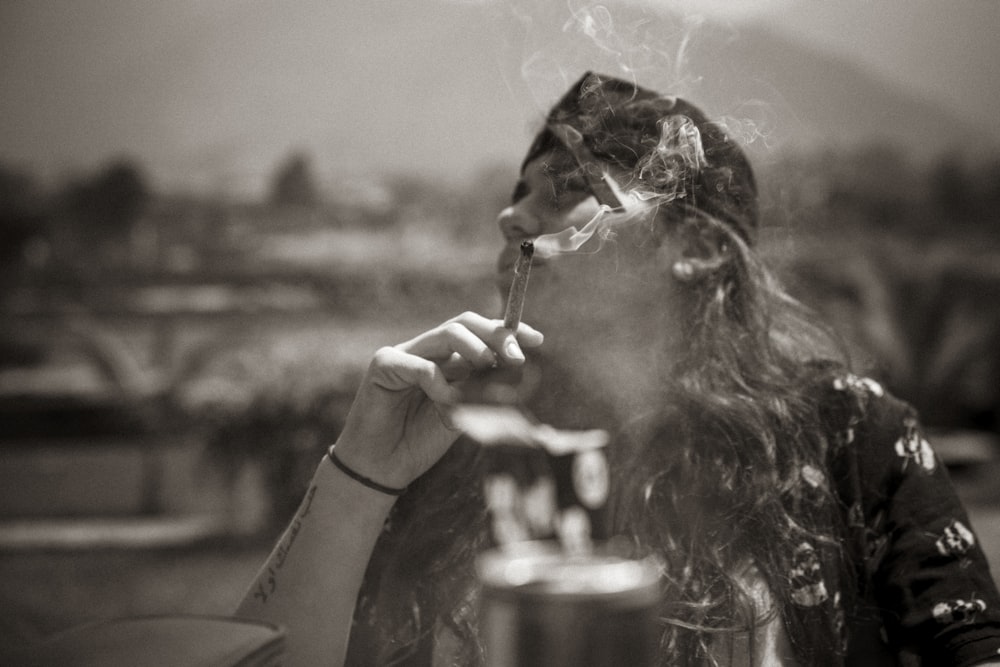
499, 333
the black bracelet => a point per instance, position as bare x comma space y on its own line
358, 477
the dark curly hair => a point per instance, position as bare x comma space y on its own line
740, 422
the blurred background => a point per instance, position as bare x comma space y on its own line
212, 212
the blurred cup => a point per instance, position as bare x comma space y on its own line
542, 606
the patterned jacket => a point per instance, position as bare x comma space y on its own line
924, 595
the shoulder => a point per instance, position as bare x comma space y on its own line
875, 438
863, 414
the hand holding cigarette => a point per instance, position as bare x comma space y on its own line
399, 424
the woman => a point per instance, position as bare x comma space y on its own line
817, 526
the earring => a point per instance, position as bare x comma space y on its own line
683, 271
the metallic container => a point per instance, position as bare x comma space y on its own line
542, 606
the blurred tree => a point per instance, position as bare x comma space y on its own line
111, 201
878, 183
293, 183
990, 184
951, 186
21, 214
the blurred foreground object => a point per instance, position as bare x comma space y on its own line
541, 482
542, 606
161, 641
556, 590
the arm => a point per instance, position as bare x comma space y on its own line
310, 581
931, 577
397, 428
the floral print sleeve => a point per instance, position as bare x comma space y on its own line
924, 568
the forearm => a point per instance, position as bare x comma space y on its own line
394, 432
310, 582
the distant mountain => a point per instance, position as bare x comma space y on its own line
774, 91
801, 97
376, 88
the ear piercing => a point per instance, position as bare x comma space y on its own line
683, 271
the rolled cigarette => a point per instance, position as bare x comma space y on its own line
515, 297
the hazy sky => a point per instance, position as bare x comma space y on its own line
212, 94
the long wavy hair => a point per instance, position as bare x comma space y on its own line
716, 481
735, 451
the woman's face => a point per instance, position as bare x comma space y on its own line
604, 309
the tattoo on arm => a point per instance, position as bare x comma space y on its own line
267, 582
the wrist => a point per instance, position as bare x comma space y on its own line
354, 501
360, 477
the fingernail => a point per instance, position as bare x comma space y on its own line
514, 351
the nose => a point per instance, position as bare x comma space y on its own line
517, 222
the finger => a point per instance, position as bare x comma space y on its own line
478, 339
396, 370
494, 332
456, 368
499, 338
528, 336
452, 337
